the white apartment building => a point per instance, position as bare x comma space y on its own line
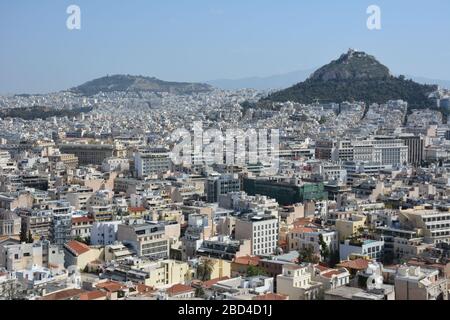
115, 164
370, 248
385, 151
104, 233
152, 162
146, 239
261, 229
300, 239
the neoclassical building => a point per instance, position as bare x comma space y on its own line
9, 223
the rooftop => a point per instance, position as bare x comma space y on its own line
77, 248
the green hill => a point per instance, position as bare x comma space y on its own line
138, 84
355, 76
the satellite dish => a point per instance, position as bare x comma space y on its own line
374, 282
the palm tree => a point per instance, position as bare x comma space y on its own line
204, 269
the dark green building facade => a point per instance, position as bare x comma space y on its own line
285, 193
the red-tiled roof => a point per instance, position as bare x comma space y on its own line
247, 260
358, 264
76, 247
271, 297
93, 295
322, 268
331, 273
63, 295
178, 289
110, 286
210, 283
302, 222
302, 229
78, 220
142, 288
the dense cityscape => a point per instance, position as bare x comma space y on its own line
93, 206
231, 196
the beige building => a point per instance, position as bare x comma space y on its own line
26, 255
92, 153
69, 160
415, 283
349, 227
10, 223
432, 224
292, 213
166, 273
80, 255
296, 282
219, 268
116, 252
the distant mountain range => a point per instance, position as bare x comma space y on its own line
138, 84
355, 76
279, 81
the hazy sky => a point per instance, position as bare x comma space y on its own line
199, 40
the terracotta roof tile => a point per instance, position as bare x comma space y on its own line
210, 283
179, 289
110, 286
302, 229
322, 268
63, 295
142, 288
358, 264
93, 295
76, 247
247, 260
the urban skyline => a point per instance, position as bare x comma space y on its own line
131, 178
204, 41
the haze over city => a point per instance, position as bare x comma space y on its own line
198, 41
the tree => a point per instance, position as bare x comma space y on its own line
199, 292
86, 241
23, 235
30, 237
324, 250
253, 271
204, 269
307, 255
334, 259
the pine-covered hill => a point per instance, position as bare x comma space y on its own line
128, 83
355, 76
